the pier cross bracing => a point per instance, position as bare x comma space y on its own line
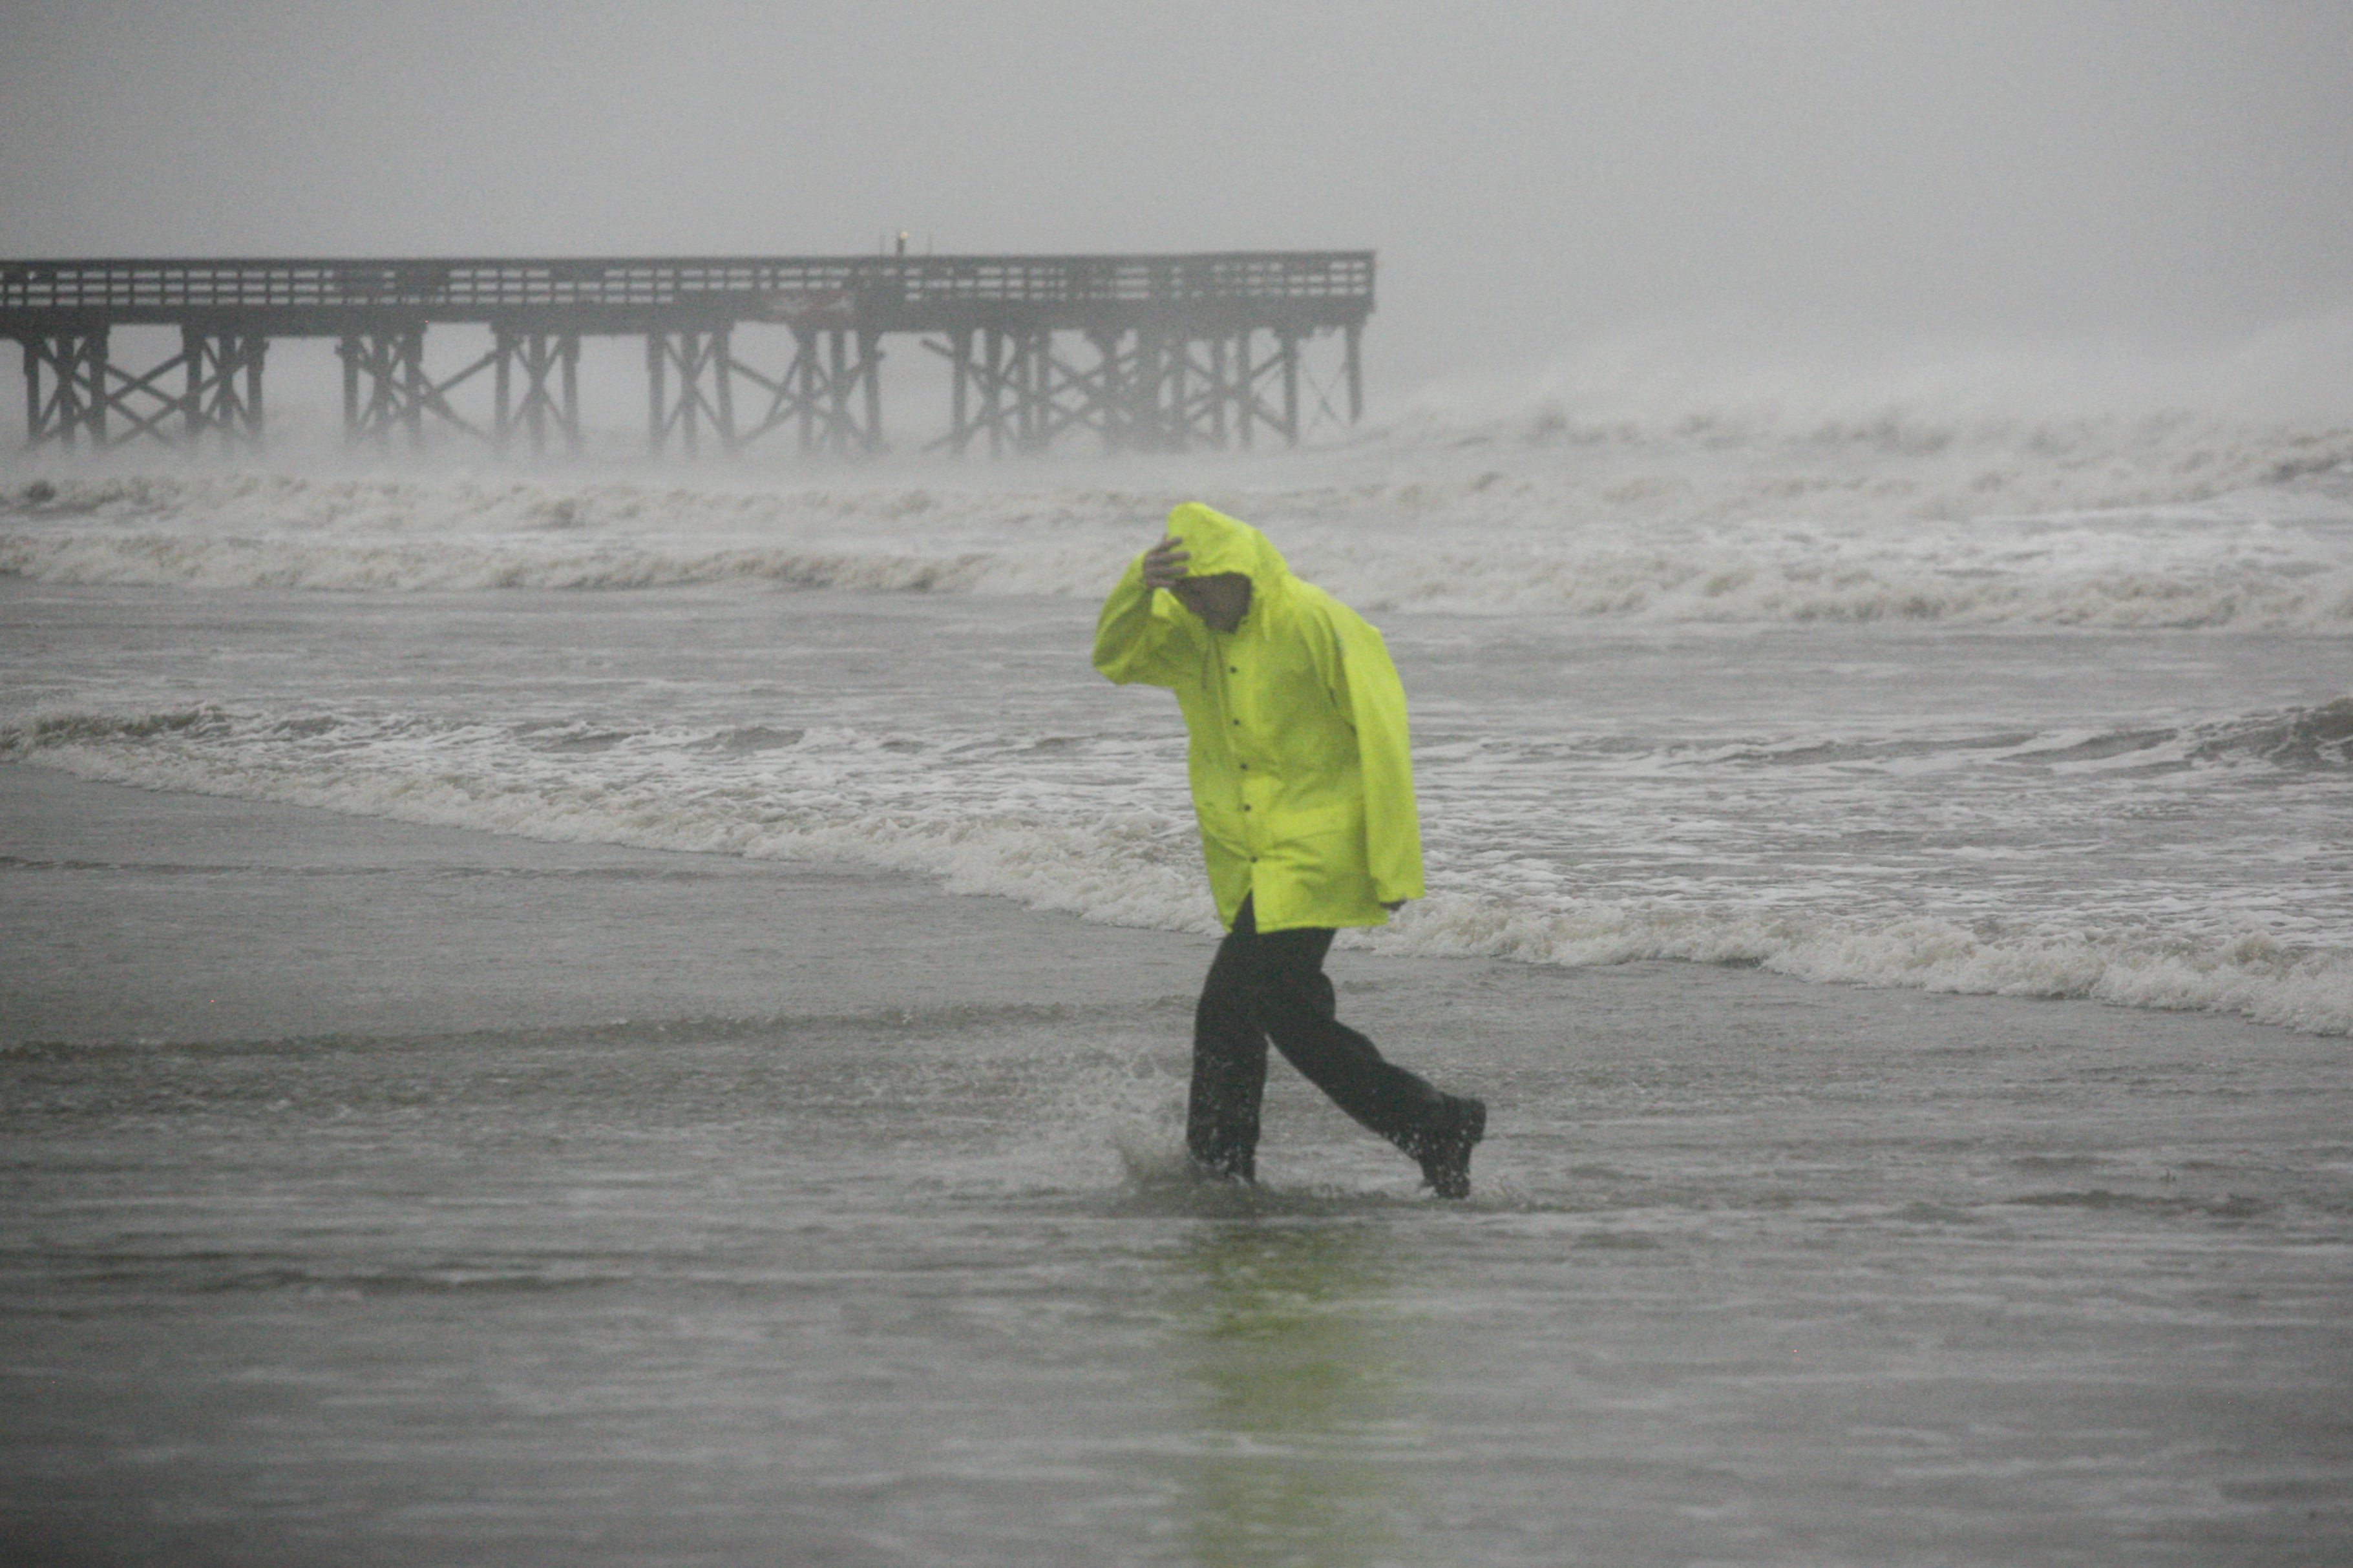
1143, 353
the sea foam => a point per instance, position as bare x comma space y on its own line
1112, 860
1667, 536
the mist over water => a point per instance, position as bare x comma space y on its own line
1537, 178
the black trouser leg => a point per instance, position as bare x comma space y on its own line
1272, 986
1229, 1066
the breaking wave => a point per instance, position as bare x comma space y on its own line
2255, 976
939, 809
1644, 549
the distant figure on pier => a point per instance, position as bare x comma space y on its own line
1304, 785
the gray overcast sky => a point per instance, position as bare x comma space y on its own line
1535, 176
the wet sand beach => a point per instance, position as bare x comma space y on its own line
389, 1194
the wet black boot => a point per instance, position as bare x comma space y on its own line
1444, 1150
1224, 1167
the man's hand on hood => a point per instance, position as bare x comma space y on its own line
1164, 564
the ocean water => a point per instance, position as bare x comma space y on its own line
1888, 874
2037, 709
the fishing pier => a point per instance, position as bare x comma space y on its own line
1141, 353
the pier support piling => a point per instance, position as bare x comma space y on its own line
705, 394
74, 390
72, 404
1148, 389
224, 395
1005, 388
549, 363
384, 381
385, 387
831, 395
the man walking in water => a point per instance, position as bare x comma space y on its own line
1304, 785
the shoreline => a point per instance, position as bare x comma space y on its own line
147, 915
152, 916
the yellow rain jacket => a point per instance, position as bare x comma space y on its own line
1301, 771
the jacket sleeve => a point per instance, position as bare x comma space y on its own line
1374, 699
1132, 642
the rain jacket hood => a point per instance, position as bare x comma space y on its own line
1220, 543
1300, 763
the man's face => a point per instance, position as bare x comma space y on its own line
1220, 599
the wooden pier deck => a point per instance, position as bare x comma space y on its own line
1149, 353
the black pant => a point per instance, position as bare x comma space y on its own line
1272, 986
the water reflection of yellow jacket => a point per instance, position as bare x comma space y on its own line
1301, 771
